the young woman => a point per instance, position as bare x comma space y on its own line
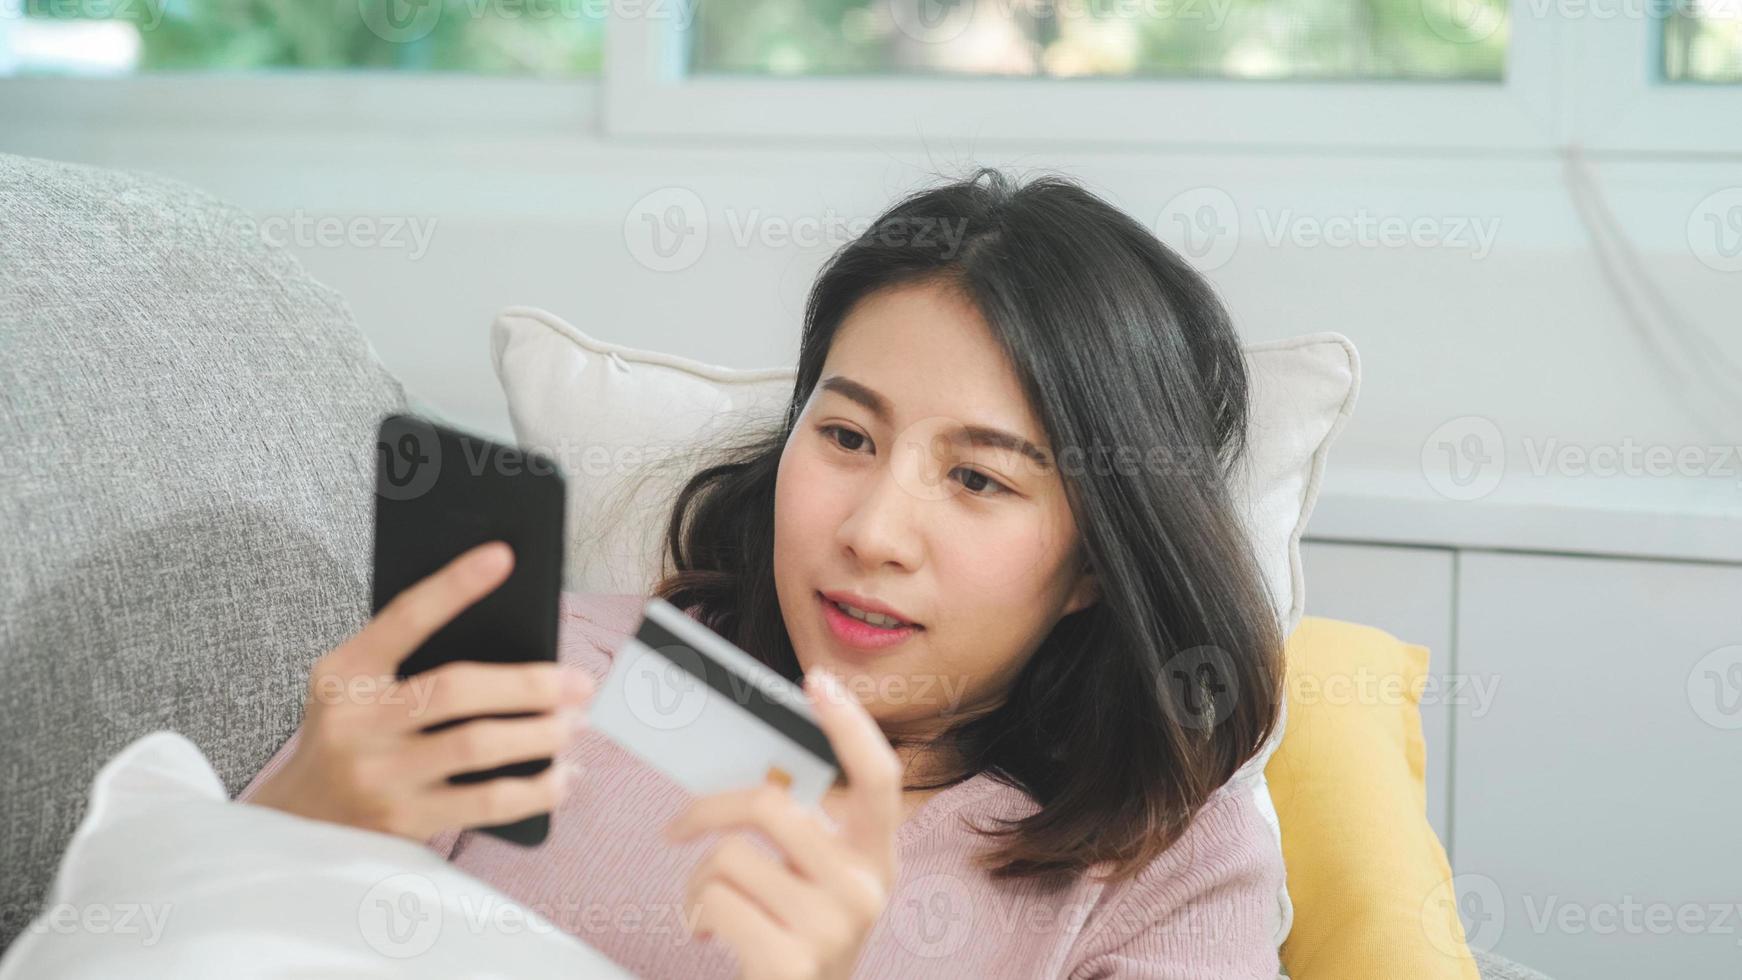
993, 536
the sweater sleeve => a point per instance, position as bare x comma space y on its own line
442, 843
1204, 908
590, 629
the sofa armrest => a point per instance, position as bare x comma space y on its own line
1498, 968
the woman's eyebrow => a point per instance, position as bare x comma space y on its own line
979, 435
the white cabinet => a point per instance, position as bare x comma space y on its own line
1598, 801
1406, 592
1584, 745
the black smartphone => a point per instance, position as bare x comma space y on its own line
438, 492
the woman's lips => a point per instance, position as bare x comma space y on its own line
859, 634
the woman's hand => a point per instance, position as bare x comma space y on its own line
362, 758
807, 917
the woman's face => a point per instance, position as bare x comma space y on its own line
889, 490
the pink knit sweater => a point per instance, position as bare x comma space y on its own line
1205, 908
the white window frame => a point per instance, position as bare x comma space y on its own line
381, 102
647, 95
1573, 78
1624, 108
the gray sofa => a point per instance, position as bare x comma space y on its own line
186, 421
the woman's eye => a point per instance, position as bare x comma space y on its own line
833, 433
972, 476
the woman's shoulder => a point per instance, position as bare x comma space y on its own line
1219, 879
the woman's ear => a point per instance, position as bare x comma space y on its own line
1085, 592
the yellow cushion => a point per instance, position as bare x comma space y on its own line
1368, 878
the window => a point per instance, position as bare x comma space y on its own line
1241, 39
1342, 75
1702, 41
523, 37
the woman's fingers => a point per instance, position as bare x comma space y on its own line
484, 744
872, 768
413, 615
504, 799
465, 689
759, 875
797, 831
859, 883
760, 942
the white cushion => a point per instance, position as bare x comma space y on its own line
166, 877
602, 409
629, 427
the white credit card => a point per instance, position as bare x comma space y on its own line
687, 702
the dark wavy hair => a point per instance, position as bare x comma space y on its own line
1133, 710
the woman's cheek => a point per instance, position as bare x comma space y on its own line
996, 566
804, 495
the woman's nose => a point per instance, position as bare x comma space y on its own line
884, 526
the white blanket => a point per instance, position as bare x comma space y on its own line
166, 877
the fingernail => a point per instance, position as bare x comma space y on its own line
577, 719
491, 558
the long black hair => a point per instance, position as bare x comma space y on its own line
1133, 710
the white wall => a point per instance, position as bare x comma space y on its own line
1528, 335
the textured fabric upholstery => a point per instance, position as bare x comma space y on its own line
186, 453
